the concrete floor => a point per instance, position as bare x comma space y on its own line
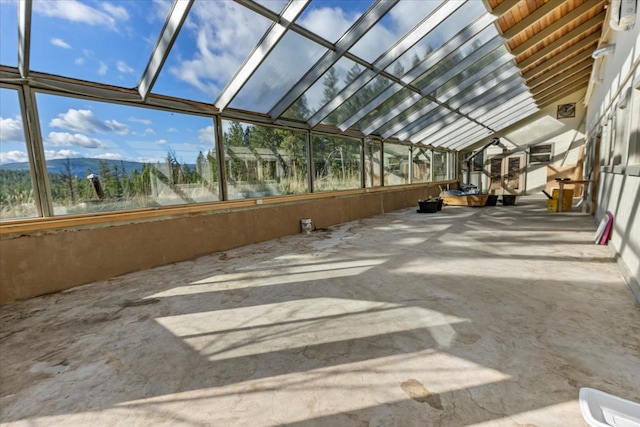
489, 316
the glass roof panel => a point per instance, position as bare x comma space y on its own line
432, 135
505, 115
454, 59
500, 93
9, 39
361, 98
401, 19
213, 43
517, 100
520, 115
454, 132
322, 91
438, 119
281, 69
330, 19
496, 103
94, 40
406, 117
480, 95
490, 62
273, 5
479, 81
462, 17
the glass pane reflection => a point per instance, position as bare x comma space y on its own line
336, 163
285, 65
16, 189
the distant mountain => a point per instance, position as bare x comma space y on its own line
79, 167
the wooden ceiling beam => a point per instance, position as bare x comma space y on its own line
535, 16
573, 34
562, 84
503, 7
551, 98
578, 59
562, 57
568, 73
559, 24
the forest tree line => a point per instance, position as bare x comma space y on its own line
331, 155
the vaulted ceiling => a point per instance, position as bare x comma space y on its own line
552, 42
441, 73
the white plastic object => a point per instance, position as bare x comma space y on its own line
601, 409
623, 14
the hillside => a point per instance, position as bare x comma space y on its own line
79, 167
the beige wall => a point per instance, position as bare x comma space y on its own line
49, 260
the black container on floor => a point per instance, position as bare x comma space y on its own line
491, 200
508, 200
427, 206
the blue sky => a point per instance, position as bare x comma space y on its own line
111, 42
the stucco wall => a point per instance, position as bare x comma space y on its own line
619, 184
42, 262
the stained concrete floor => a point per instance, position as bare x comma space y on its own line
489, 316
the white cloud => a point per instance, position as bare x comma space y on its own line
11, 130
13, 156
75, 11
79, 121
374, 43
142, 121
149, 131
172, 130
207, 135
64, 139
79, 61
118, 12
62, 154
161, 9
124, 68
161, 141
60, 43
103, 68
86, 122
224, 35
110, 156
328, 22
117, 127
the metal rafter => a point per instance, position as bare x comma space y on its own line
439, 80
523, 107
350, 38
24, 36
421, 30
466, 35
443, 134
266, 45
490, 106
491, 117
489, 79
175, 19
